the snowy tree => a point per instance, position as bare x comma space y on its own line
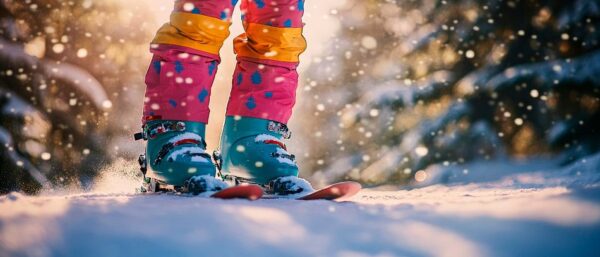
66, 70
408, 84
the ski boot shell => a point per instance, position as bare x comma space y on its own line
175, 152
252, 151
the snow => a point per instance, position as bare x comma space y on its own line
497, 208
212, 184
265, 137
188, 151
184, 136
198, 159
297, 184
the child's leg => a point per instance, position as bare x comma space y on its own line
186, 55
263, 94
179, 80
265, 79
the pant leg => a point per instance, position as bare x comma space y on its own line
265, 79
186, 56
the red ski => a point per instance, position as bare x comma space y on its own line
336, 191
249, 192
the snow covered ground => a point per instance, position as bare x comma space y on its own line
492, 209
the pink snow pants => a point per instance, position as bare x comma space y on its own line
186, 57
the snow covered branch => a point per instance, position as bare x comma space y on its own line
80, 80
551, 75
15, 159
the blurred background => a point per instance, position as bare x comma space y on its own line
390, 90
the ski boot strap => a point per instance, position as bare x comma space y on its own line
218, 160
270, 140
151, 131
166, 148
279, 128
290, 157
237, 127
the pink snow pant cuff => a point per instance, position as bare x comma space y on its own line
263, 89
179, 83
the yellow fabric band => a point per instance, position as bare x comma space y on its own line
270, 43
195, 31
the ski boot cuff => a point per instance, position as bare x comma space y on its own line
152, 129
238, 127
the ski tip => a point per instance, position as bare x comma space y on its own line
347, 189
338, 191
248, 192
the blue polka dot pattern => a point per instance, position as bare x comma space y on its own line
178, 67
240, 78
287, 23
173, 103
224, 15
268, 94
196, 11
256, 78
212, 67
203, 94
156, 65
260, 3
234, 2
251, 103
300, 5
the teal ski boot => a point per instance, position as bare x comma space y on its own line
252, 151
175, 158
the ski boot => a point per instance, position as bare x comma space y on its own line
175, 158
252, 152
